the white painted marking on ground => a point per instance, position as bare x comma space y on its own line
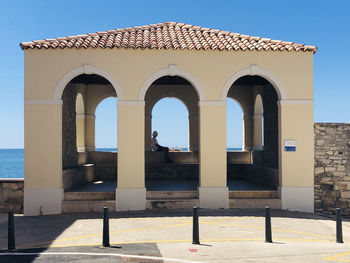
96, 254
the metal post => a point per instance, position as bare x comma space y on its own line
195, 236
11, 232
268, 234
105, 239
339, 227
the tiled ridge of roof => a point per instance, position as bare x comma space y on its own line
168, 35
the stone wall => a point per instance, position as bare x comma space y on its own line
11, 195
332, 167
105, 165
69, 144
270, 127
172, 171
257, 174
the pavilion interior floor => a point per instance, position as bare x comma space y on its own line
170, 185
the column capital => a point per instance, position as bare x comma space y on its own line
85, 116
252, 116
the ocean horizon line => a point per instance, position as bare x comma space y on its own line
117, 148
12, 160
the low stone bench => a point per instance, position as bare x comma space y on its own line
11, 195
176, 157
75, 176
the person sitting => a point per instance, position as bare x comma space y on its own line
158, 148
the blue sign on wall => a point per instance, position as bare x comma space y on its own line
290, 145
290, 148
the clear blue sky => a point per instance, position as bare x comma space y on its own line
322, 23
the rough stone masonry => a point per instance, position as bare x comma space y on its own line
332, 167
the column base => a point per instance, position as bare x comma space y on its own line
194, 148
90, 148
258, 148
298, 199
42, 201
248, 148
130, 199
213, 197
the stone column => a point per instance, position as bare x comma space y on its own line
148, 132
193, 133
80, 118
296, 168
131, 191
213, 191
43, 192
90, 132
80, 122
258, 132
248, 132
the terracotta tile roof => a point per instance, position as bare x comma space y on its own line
169, 35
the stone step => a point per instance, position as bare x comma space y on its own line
83, 206
255, 203
262, 194
171, 203
85, 196
171, 194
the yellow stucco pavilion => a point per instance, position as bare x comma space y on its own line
272, 80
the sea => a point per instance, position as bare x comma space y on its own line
12, 161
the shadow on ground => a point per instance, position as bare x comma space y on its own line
40, 231
77, 254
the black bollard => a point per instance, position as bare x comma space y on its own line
268, 234
11, 244
105, 239
339, 227
195, 233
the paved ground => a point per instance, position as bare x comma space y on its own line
165, 236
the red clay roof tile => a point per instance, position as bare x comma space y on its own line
168, 35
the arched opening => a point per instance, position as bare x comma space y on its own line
256, 167
81, 163
106, 125
171, 108
170, 120
234, 127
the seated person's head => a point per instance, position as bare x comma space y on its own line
155, 134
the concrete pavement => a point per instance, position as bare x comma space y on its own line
165, 236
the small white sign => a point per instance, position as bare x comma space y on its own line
290, 145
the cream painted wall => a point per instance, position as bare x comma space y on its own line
297, 123
130, 69
43, 146
213, 145
44, 68
131, 155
